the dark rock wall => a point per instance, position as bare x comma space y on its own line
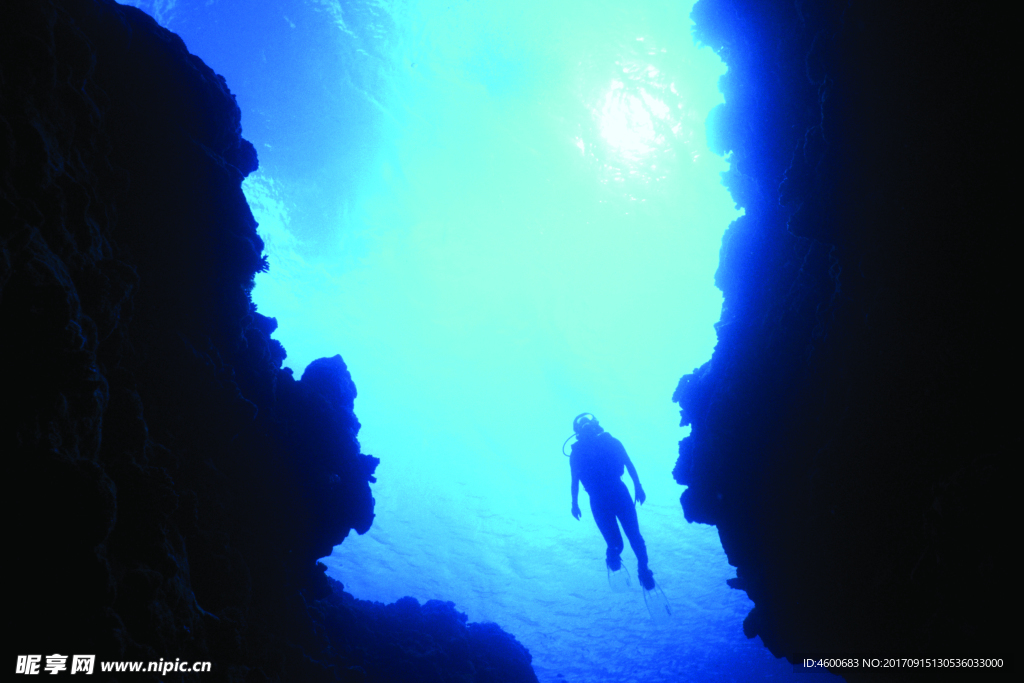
171, 487
851, 433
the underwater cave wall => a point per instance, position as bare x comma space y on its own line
851, 432
171, 486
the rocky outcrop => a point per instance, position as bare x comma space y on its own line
406, 641
172, 487
850, 435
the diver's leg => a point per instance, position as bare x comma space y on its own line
626, 512
604, 515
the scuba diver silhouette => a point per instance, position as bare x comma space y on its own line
597, 459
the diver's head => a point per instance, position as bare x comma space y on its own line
585, 425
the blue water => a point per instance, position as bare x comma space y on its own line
501, 214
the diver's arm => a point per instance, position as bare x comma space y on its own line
576, 496
638, 490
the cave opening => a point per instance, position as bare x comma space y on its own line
500, 215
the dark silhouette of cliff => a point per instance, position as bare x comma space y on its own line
852, 431
171, 487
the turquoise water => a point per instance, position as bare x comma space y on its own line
501, 215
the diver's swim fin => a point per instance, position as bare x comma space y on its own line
657, 605
619, 579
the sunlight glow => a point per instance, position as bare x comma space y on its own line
627, 122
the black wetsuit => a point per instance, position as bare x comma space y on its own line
599, 462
